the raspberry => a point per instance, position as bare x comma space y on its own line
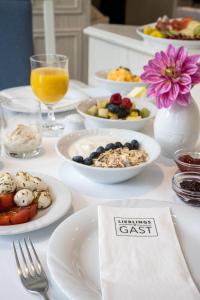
116, 99
126, 103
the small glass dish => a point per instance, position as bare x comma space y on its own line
21, 128
179, 182
189, 165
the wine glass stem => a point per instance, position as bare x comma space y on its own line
51, 116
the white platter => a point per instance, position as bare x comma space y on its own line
23, 93
163, 43
114, 85
59, 207
72, 254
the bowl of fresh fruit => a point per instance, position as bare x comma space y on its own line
177, 31
108, 155
117, 112
118, 79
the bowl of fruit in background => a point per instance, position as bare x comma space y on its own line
118, 79
175, 31
186, 185
187, 160
117, 112
108, 155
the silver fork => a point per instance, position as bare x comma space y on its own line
30, 270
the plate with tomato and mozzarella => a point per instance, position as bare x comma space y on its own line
30, 201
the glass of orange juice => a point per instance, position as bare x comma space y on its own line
50, 82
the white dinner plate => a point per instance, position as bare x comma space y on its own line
23, 93
59, 207
72, 254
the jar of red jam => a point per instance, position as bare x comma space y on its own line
186, 185
187, 161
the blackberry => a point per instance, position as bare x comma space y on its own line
109, 146
135, 144
100, 149
87, 161
78, 159
122, 112
118, 145
94, 155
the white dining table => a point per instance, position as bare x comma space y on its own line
153, 183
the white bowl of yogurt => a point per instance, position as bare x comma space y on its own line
82, 143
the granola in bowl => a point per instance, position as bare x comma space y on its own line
120, 158
115, 155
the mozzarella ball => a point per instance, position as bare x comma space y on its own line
39, 184
23, 197
27, 181
7, 183
24, 181
43, 198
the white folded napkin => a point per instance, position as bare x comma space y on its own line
140, 256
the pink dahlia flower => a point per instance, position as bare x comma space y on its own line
171, 75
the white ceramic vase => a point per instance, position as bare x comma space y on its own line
177, 127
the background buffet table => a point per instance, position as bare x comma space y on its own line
115, 45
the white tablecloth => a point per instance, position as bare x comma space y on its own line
154, 183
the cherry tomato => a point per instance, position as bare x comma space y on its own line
175, 24
18, 215
184, 22
180, 24
6, 201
